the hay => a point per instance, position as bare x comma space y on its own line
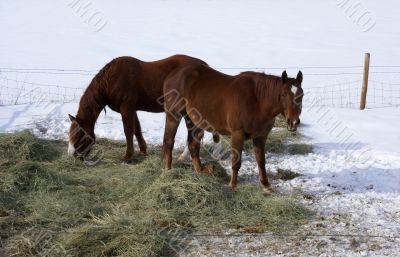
25, 146
299, 148
280, 122
115, 209
285, 174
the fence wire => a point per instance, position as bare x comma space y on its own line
16, 92
339, 95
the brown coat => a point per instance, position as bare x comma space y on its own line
243, 106
125, 84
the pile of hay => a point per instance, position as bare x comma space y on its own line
25, 146
52, 205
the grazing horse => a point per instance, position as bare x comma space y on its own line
126, 85
242, 106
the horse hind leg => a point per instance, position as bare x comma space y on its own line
216, 153
195, 135
237, 139
139, 136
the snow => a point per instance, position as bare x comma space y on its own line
353, 173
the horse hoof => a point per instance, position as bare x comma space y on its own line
269, 190
233, 187
126, 160
143, 153
198, 170
207, 169
166, 168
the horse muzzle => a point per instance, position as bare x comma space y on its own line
292, 125
71, 149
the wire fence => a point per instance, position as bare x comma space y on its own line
348, 94
15, 91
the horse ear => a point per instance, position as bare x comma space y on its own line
299, 77
71, 118
284, 76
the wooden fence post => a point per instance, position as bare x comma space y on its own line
363, 100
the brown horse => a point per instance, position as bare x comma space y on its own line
126, 85
243, 106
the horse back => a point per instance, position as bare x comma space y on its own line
211, 98
140, 83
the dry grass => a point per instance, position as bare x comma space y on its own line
52, 205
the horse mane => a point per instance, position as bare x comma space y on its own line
265, 86
93, 99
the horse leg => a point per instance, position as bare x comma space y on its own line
195, 135
139, 135
171, 126
259, 152
216, 154
237, 148
128, 121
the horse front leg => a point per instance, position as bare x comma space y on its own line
259, 152
128, 121
171, 126
139, 135
237, 148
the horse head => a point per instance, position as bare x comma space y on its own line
81, 139
291, 98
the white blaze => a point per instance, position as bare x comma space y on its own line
294, 89
71, 149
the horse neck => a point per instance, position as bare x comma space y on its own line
269, 90
90, 106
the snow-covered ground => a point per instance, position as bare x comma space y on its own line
352, 179
353, 187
